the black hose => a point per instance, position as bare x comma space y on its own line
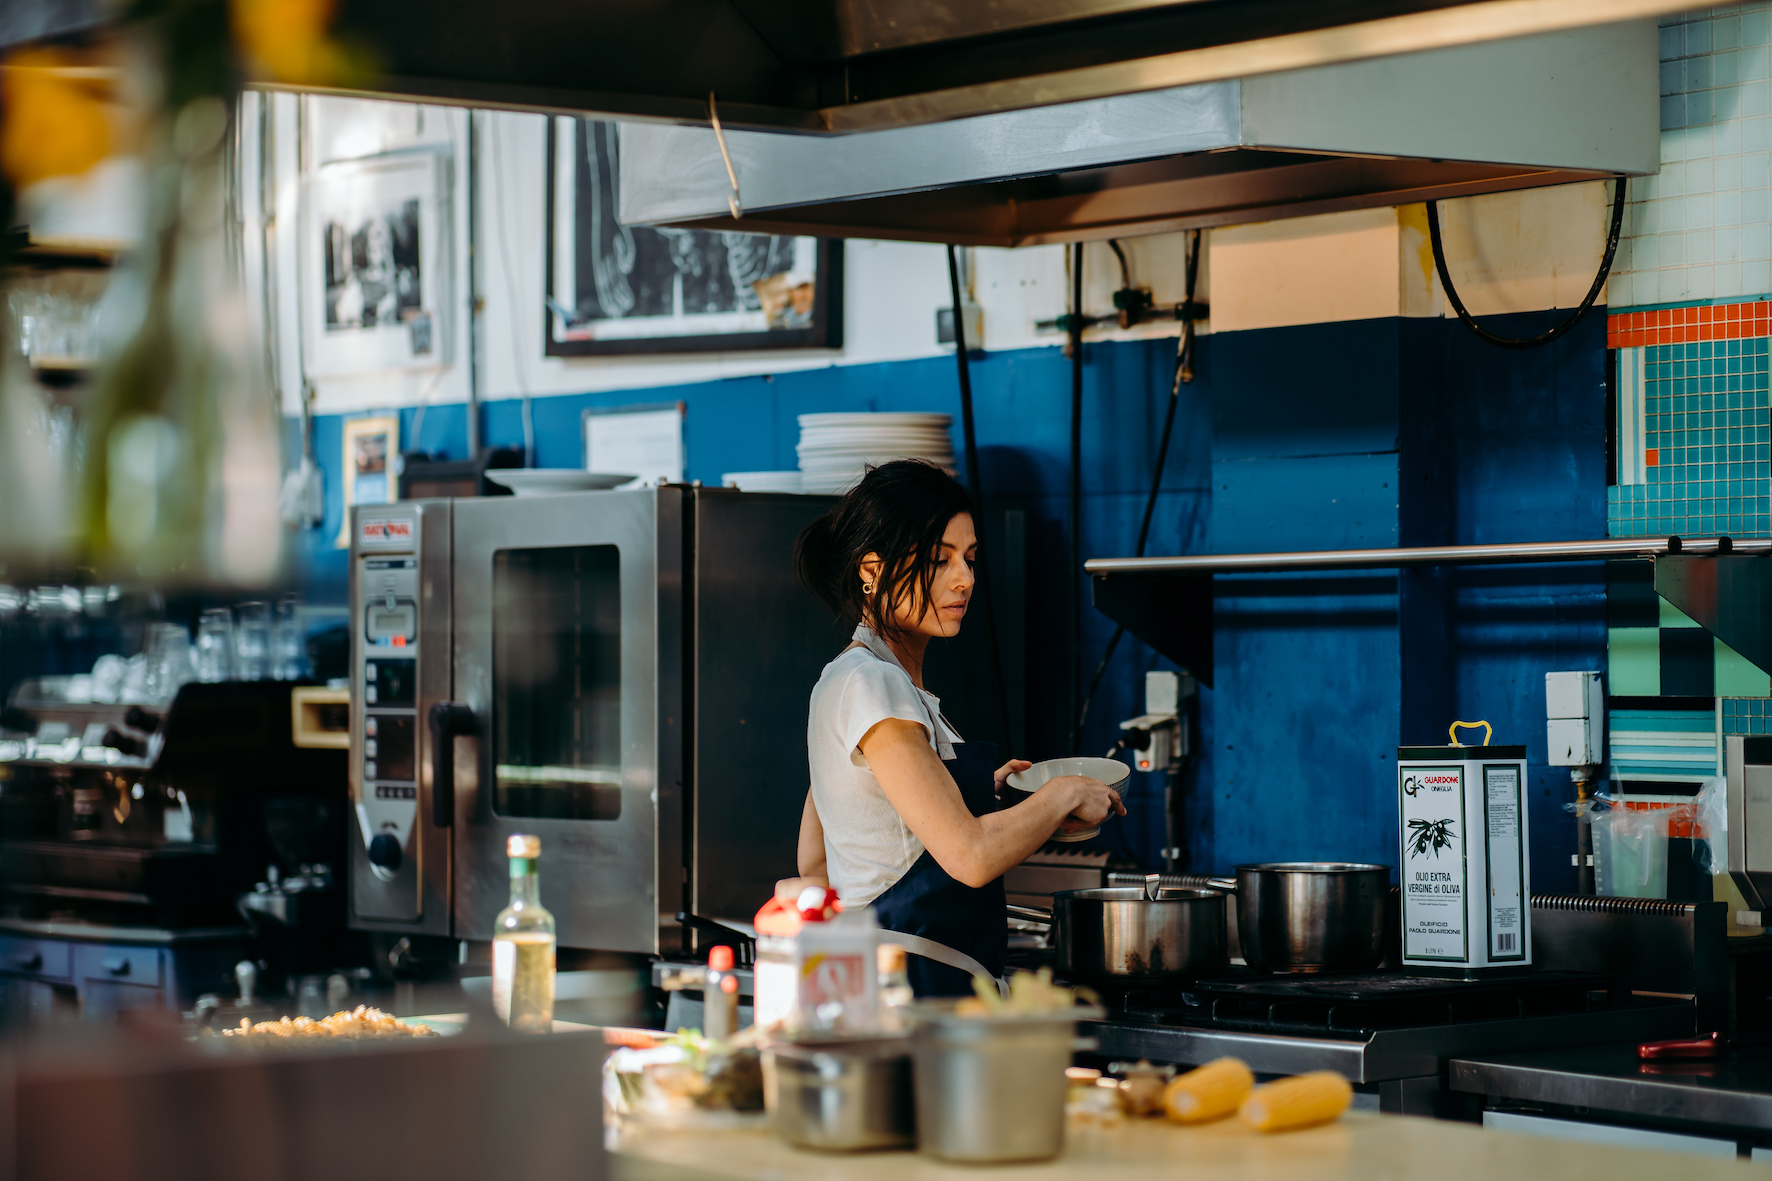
971, 446
1076, 570
1543, 338
1125, 270
1184, 372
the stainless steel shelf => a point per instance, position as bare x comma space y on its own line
1431, 555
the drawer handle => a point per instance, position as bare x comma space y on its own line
117, 966
30, 962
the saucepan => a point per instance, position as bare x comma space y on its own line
1120, 934
1310, 916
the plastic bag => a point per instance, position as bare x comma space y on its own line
1710, 827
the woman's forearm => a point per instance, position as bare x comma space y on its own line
974, 850
810, 855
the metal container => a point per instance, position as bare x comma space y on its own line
1312, 916
841, 1096
1149, 933
993, 1089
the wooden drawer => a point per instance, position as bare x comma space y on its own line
131, 965
40, 959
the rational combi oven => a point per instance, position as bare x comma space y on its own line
623, 673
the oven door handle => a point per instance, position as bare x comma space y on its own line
449, 720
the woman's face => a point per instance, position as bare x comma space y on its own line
948, 594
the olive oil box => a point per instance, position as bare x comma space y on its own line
1463, 867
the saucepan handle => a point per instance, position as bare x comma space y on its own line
1705, 1046
1035, 913
1222, 885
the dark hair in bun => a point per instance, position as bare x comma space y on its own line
899, 511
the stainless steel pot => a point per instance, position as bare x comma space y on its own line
841, 1096
1311, 916
1116, 933
993, 1089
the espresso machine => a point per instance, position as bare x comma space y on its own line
199, 834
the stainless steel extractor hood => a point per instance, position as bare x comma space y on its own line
1525, 112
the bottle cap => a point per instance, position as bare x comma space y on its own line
523, 846
720, 958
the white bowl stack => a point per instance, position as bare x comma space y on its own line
837, 449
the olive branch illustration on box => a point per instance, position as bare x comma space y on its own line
1430, 835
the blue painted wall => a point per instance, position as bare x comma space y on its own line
1310, 437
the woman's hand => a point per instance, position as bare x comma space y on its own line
788, 890
1008, 769
1092, 801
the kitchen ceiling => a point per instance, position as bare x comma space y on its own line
860, 65
823, 66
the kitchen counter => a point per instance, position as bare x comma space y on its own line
1362, 1146
1733, 1091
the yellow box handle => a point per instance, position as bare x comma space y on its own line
1452, 731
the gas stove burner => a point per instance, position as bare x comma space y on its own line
1357, 1004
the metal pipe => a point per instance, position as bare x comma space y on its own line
1432, 555
1076, 331
475, 326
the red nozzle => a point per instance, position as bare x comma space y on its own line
720, 958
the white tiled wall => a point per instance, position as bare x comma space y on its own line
1702, 229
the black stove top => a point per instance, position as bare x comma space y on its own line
1356, 1005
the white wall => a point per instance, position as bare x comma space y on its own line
1698, 231
1508, 252
891, 289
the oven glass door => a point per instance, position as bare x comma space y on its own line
557, 656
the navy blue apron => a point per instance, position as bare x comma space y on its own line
926, 901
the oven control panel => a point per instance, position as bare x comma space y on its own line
386, 747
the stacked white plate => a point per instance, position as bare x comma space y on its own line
837, 449
788, 481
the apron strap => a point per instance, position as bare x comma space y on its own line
941, 953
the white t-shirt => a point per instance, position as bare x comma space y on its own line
867, 846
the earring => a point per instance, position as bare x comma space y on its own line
867, 588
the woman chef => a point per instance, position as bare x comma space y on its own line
902, 812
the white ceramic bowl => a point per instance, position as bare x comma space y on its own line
552, 481
1112, 772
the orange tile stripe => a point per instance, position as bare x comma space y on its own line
1729, 321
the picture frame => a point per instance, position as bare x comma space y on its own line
645, 289
377, 264
371, 449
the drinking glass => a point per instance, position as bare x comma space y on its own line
215, 645
289, 641
168, 663
252, 641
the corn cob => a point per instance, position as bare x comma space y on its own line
1211, 1092
1302, 1102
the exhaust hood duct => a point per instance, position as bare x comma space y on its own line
1522, 113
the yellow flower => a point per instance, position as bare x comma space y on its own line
56, 121
286, 39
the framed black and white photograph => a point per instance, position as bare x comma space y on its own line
613, 288
376, 264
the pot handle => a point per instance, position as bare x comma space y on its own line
1036, 913
1222, 885
1153, 886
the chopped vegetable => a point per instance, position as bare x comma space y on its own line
1142, 1090
1029, 993
1302, 1102
1211, 1092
